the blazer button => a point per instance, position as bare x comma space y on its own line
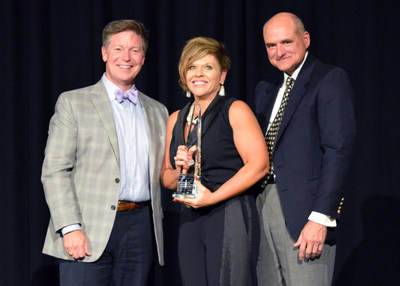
113, 207
117, 180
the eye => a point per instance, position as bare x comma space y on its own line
208, 67
192, 67
269, 46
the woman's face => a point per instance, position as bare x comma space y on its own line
204, 77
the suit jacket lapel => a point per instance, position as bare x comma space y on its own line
102, 104
297, 93
150, 119
269, 105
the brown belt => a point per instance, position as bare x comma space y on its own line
124, 206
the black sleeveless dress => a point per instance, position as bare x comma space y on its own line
217, 244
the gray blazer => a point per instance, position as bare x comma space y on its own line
80, 173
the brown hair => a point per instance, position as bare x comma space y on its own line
119, 26
197, 48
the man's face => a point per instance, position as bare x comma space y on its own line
286, 48
124, 58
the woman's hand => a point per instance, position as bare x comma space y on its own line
204, 197
184, 158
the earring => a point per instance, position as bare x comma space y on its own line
222, 90
188, 94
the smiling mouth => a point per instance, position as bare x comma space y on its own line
199, 83
125, 67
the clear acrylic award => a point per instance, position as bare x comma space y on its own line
186, 187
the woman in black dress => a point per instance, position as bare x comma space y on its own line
218, 229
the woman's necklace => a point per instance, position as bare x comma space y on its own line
190, 120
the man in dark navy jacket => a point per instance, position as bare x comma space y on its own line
311, 152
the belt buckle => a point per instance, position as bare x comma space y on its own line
124, 206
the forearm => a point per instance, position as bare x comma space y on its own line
59, 190
169, 178
245, 178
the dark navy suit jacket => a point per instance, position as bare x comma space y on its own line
314, 144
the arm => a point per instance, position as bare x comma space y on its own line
57, 171
336, 120
251, 147
337, 131
169, 175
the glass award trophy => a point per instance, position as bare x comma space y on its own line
186, 187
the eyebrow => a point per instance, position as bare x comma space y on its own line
281, 41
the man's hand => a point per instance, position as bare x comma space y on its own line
311, 240
76, 245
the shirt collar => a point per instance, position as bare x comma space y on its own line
111, 87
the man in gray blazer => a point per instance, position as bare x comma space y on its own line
101, 171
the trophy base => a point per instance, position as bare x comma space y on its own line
186, 187
181, 196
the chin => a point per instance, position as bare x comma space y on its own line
284, 69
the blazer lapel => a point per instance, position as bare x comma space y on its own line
296, 94
269, 105
101, 102
153, 137
265, 98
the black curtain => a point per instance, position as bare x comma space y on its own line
52, 46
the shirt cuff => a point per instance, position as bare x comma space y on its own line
70, 228
322, 219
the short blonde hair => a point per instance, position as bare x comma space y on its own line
197, 48
119, 26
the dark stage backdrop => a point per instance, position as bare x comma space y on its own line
53, 46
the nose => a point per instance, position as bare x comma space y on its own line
199, 72
280, 50
126, 55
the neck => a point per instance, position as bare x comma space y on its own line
203, 102
124, 86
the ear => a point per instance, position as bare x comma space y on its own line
104, 54
307, 39
223, 76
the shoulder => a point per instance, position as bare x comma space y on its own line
153, 105
173, 117
328, 72
79, 93
147, 100
237, 105
239, 110
263, 87
265, 93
